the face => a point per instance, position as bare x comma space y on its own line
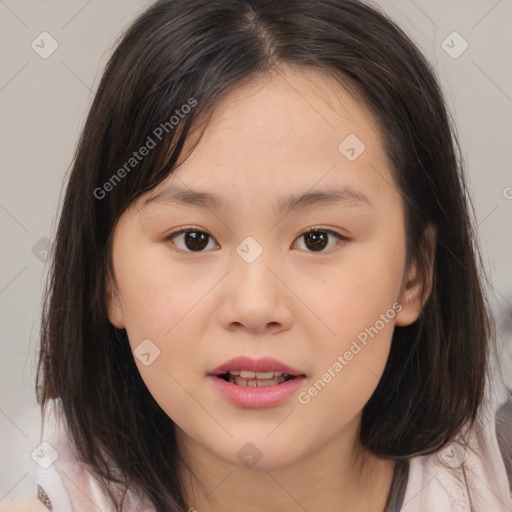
310, 288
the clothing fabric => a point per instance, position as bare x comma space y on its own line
475, 478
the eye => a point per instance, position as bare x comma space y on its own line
194, 240
316, 239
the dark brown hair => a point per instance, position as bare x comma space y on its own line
200, 50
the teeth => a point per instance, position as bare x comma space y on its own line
264, 375
253, 383
246, 374
268, 382
246, 378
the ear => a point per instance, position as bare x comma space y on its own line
113, 304
417, 285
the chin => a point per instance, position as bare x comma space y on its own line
261, 454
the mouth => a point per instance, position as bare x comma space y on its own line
255, 373
247, 378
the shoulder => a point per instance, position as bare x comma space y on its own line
63, 483
474, 473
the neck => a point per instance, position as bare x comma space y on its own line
340, 476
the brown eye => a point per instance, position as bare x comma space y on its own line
316, 240
193, 239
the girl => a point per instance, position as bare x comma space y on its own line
265, 292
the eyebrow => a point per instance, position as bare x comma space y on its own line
283, 205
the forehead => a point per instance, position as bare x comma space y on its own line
285, 109
285, 132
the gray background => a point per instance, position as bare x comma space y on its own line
44, 103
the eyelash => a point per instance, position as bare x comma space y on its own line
341, 239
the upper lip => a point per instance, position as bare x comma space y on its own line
264, 364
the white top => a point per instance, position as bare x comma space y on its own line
441, 483
435, 483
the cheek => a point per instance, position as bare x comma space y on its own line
348, 364
173, 389
352, 297
159, 312
156, 295
359, 305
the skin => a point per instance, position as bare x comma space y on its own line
273, 136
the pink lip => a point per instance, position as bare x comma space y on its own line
257, 397
264, 396
265, 364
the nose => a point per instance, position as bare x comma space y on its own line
255, 297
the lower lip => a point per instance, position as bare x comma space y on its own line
264, 396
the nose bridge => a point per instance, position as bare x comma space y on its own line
250, 250
252, 259
254, 297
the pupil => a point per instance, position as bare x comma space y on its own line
195, 240
317, 240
